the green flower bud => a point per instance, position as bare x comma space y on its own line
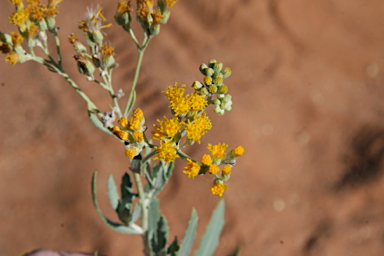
209, 72
217, 67
5, 38
166, 14
218, 79
211, 63
223, 89
218, 110
204, 91
79, 47
108, 61
212, 88
202, 68
97, 36
197, 85
51, 22
226, 72
42, 24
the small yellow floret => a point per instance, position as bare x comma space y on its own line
134, 124
16, 38
166, 151
206, 160
16, 1
130, 153
123, 122
238, 151
197, 102
201, 125
192, 169
123, 135
138, 113
227, 169
218, 189
213, 169
138, 136
19, 17
12, 58
218, 150
174, 92
169, 3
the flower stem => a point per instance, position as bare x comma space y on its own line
130, 102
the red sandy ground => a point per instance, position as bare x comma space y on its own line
307, 89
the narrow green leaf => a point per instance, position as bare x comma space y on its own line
97, 122
153, 215
113, 195
189, 236
173, 248
210, 239
132, 229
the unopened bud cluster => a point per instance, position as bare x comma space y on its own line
213, 86
101, 54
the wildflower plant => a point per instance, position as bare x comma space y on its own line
151, 149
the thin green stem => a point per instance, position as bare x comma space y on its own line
143, 201
130, 103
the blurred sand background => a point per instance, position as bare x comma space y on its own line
307, 87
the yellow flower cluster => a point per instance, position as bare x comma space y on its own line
210, 163
131, 132
149, 17
189, 119
32, 20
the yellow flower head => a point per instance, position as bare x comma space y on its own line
123, 135
170, 3
12, 58
138, 136
157, 17
218, 150
197, 102
238, 151
192, 169
218, 189
206, 160
123, 122
16, 38
107, 50
174, 92
134, 124
5, 48
16, 1
227, 169
139, 114
123, 7
36, 10
166, 151
157, 134
33, 30
181, 106
213, 169
131, 152
169, 127
198, 128
19, 17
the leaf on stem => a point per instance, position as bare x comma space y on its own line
131, 229
210, 239
113, 195
189, 236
